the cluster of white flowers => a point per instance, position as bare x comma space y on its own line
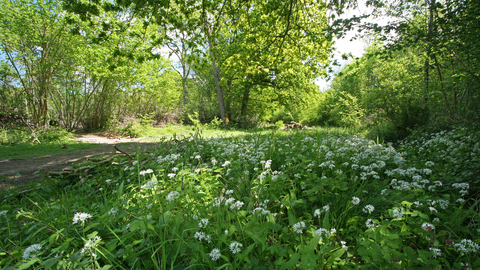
261, 211
299, 226
146, 171
428, 227
463, 188
322, 233
436, 252
170, 158
236, 205
215, 254
91, 244
398, 213
81, 217
113, 211
226, 163
368, 208
466, 246
149, 184
31, 251
370, 223
202, 236
3, 213
172, 196
235, 247
318, 212
203, 223
355, 200
171, 175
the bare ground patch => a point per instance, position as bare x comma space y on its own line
15, 172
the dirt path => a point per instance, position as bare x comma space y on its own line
22, 171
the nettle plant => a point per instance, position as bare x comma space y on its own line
293, 200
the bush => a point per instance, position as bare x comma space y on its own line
132, 129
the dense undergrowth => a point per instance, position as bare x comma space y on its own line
283, 200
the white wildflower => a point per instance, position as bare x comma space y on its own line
398, 213
428, 227
322, 233
81, 217
235, 247
113, 211
215, 254
466, 246
436, 252
203, 223
355, 200
298, 227
172, 196
226, 163
31, 251
368, 209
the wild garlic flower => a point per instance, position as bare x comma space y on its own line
398, 213
172, 196
318, 212
368, 209
235, 247
261, 211
322, 233
203, 223
215, 254
298, 227
202, 236
146, 171
226, 163
91, 244
171, 175
370, 223
436, 252
236, 205
113, 211
355, 200
31, 251
149, 184
81, 217
466, 246
428, 227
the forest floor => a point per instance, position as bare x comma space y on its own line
16, 172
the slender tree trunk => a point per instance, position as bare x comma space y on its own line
442, 88
429, 44
216, 75
243, 111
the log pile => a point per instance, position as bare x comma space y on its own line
293, 125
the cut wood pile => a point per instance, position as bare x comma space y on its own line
293, 125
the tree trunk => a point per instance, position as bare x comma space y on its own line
441, 85
216, 75
243, 111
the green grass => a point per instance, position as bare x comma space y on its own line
34, 150
312, 199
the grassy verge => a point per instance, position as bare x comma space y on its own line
34, 150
